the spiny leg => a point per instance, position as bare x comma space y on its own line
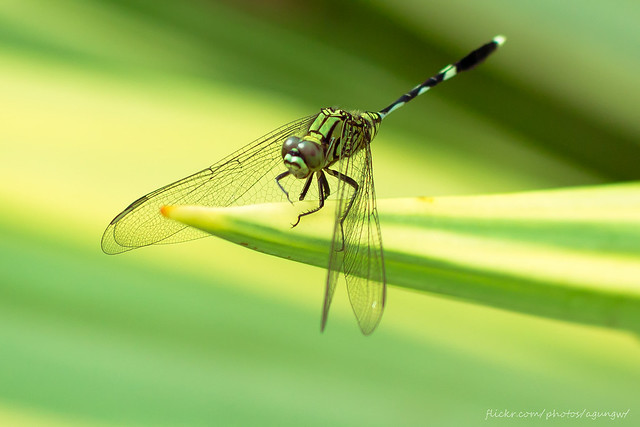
307, 184
322, 186
327, 189
350, 181
278, 178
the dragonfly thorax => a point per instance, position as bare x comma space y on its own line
302, 157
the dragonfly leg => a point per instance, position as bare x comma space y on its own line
327, 189
307, 184
278, 178
323, 186
350, 181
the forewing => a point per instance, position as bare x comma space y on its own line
246, 176
360, 254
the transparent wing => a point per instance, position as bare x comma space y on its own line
356, 247
246, 176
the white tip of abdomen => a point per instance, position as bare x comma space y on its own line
499, 40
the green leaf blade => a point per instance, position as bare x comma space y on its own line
571, 254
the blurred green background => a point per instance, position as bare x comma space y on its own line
104, 101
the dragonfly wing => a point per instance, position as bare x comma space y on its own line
246, 176
356, 247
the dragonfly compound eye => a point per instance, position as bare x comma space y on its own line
289, 144
312, 154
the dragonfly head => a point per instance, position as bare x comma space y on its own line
302, 157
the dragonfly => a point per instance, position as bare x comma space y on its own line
327, 153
